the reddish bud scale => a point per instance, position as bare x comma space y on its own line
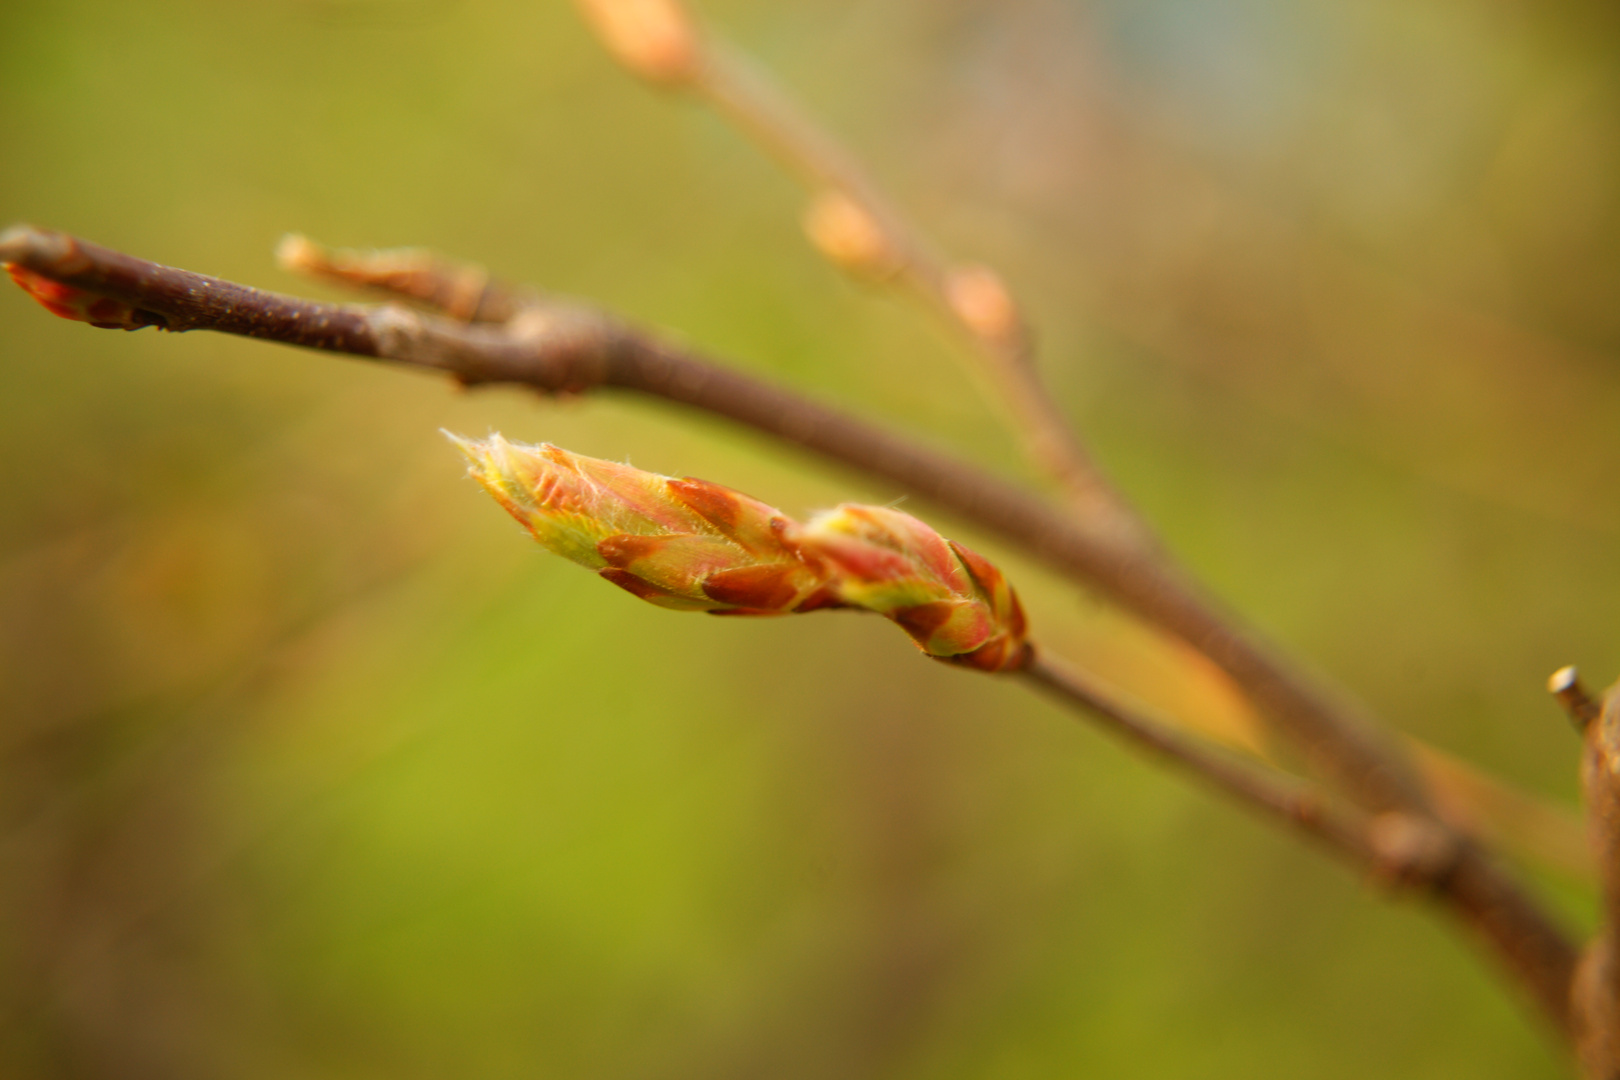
696, 546
952, 601
80, 305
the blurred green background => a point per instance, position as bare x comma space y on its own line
311, 765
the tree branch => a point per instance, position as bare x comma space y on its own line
1596, 994
555, 347
1388, 854
1565, 685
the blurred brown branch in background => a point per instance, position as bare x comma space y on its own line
1596, 991
1394, 848
852, 223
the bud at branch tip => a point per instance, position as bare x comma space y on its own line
691, 545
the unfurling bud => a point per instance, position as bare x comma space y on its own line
696, 546
81, 305
655, 39
955, 605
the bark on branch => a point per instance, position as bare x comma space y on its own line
1597, 982
555, 347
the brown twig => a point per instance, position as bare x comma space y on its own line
1348, 833
1565, 685
1596, 993
1529, 827
1471, 801
851, 222
1400, 849
554, 347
